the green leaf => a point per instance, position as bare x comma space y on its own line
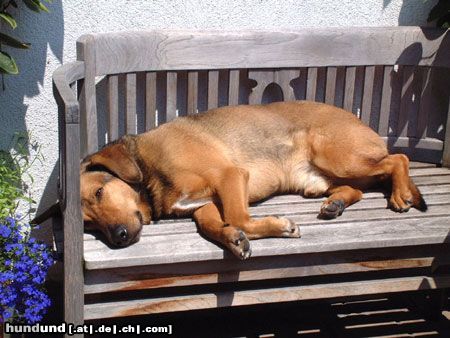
10, 41
36, 5
7, 64
28, 199
31, 4
9, 19
42, 6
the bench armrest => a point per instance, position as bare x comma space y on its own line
63, 79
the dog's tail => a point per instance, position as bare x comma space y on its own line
418, 201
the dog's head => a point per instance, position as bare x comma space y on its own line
112, 200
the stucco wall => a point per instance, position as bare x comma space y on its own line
28, 105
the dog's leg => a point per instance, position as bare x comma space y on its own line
210, 222
340, 197
356, 166
404, 192
232, 190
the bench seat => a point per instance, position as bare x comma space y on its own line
172, 254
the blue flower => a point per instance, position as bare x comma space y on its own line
5, 231
26, 264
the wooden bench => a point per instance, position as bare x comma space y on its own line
395, 79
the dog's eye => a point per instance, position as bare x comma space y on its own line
98, 193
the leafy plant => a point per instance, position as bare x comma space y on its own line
24, 262
14, 168
7, 63
441, 13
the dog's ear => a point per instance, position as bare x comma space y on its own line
118, 160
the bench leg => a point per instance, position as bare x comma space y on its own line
73, 280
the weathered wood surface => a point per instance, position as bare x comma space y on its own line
213, 89
381, 97
233, 90
262, 296
150, 100
130, 103
318, 238
171, 96
124, 52
63, 78
88, 94
69, 191
73, 231
192, 95
112, 106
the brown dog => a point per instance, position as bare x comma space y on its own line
213, 165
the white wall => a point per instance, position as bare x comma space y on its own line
27, 103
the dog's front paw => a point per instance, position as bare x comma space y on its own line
331, 209
290, 229
238, 243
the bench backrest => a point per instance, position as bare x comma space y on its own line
395, 79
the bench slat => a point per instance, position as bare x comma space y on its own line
330, 90
171, 96
358, 92
367, 94
414, 103
130, 103
385, 106
311, 84
340, 85
192, 97
416, 172
233, 90
396, 95
404, 123
247, 297
321, 84
350, 75
376, 97
150, 100
213, 89
113, 107
426, 102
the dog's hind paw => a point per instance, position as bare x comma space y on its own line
331, 209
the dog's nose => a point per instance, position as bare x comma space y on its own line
120, 235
